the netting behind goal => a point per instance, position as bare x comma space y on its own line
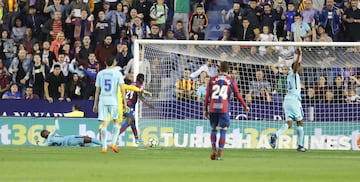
330, 92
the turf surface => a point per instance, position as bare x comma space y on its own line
27, 163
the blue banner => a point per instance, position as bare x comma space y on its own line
267, 111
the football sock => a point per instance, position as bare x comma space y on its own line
281, 130
104, 137
213, 139
300, 135
222, 141
124, 126
95, 141
115, 133
134, 130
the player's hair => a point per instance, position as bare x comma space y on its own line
140, 78
224, 66
110, 60
42, 133
77, 107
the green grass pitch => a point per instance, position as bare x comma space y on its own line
30, 163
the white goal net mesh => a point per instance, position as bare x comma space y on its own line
180, 69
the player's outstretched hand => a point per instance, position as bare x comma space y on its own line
147, 93
247, 109
206, 115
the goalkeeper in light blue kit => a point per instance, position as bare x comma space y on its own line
52, 139
292, 106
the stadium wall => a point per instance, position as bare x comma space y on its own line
242, 134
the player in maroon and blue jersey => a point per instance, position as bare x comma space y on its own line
218, 92
132, 98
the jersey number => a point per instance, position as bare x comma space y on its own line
107, 85
219, 91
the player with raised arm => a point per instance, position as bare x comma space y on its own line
292, 105
106, 101
218, 92
51, 139
132, 98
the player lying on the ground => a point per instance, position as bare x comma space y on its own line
51, 139
132, 98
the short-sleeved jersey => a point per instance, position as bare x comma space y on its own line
219, 90
108, 80
132, 96
294, 85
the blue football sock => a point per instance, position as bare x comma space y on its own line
282, 129
95, 141
104, 137
213, 139
115, 133
300, 135
134, 130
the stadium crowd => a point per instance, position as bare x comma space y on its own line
53, 49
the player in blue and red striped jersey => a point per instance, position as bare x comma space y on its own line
132, 98
218, 92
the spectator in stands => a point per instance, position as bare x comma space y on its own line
140, 28
29, 40
47, 56
143, 9
330, 19
83, 26
56, 7
8, 48
311, 96
18, 31
299, 29
290, 19
255, 85
29, 94
338, 89
269, 17
185, 87
155, 32
201, 91
309, 14
74, 90
76, 6
321, 34
84, 51
265, 95
352, 19
244, 33
117, 19
21, 68
210, 68
123, 55
179, 31
53, 27
329, 98
159, 12
90, 70
54, 85
102, 51
144, 68
181, 13
233, 16
354, 83
197, 24
102, 28
321, 87
57, 43
281, 77
170, 35
157, 74
12, 11
39, 72
4, 79
36, 48
265, 36
253, 14
64, 66
201, 79
75, 67
352, 97
226, 36
34, 21
13, 93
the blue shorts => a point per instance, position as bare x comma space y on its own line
293, 109
219, 119
104, 110
130, 114
73, 140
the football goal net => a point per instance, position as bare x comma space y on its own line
176, 72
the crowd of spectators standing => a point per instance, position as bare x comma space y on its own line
53, 49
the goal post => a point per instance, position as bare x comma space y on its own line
330, 93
